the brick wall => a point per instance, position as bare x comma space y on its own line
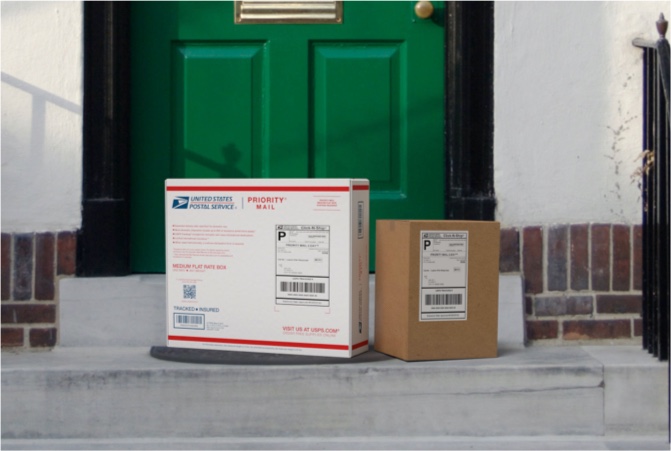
32, 263
581, 281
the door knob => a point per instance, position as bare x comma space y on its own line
423, 10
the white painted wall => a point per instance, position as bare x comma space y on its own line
568, 110
41, 116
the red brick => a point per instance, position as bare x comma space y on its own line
532, 255
542, 330
557, 258
600, 257
6, 266
67, 254
12, 337
579, 257
621, 258
23, 267
595, 329
40, 338
563, 305
638, 327
9, 314
509, 260
579, 305
528, 305
619, 303
638, 257
44, 267
28, 313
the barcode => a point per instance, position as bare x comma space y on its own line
189, 292
189, 319
302, 287
359, 219
442, 299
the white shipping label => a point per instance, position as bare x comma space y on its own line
302, 265
443, 291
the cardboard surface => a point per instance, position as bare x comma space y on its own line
268, 265
452, 267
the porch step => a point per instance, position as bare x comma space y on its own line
130, 311
110, 395
100, 389
355, 443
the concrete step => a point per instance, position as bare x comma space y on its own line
100, 389
355, 443
100, 394
130, 311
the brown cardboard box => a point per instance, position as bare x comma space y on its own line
454, 267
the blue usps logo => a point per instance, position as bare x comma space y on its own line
180, 203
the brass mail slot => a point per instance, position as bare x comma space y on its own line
274, 12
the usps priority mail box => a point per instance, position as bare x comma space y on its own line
268, 265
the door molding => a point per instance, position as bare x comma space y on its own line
469, 110
103, 244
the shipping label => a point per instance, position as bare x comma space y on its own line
302, 265
443, 291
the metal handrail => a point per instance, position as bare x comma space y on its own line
661, 45
655, 192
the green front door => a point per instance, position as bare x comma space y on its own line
214, 99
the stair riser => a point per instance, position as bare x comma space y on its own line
301, 402
130, 311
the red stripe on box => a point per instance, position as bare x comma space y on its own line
258, 188
286, 344
360, 345
361, 187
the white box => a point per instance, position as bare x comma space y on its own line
268, 265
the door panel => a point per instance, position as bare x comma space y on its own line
214, 99
214, 85
342, 110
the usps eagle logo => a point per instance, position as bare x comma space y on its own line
180, 203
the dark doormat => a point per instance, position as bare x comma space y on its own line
256, 358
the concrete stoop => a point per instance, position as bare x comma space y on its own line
353, 443
543, 398
119, 397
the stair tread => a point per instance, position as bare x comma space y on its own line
130, 358
99, 393
495, 443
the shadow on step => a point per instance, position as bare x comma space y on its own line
256, 358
